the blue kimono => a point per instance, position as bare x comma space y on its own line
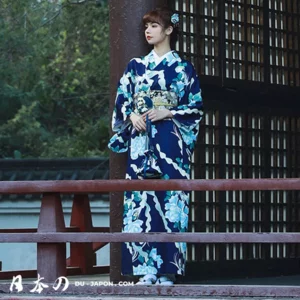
173, 142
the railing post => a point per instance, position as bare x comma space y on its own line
82, 254
51, 257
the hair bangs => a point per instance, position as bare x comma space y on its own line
153, 17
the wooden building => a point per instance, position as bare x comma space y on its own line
247, 55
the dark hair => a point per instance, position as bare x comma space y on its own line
162, 16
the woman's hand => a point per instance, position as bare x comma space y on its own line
157, 114
138, 122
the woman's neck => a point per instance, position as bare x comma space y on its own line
161, 52
162, 49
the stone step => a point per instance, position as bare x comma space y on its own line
99, 297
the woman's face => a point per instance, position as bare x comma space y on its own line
154, 33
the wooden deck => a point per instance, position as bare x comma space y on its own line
85, 287
133, 298
101, 297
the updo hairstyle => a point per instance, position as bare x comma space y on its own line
162, 16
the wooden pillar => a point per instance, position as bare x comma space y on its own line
82, 254
126, 41
51, 257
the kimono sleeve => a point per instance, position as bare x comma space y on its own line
123, 108
188, 114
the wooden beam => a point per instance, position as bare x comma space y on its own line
116, 237
119, 185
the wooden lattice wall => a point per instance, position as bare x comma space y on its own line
247, 56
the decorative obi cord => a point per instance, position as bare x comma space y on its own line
143, 101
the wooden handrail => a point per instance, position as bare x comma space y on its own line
101, 186
116, 237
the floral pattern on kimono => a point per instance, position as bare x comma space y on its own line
174, 141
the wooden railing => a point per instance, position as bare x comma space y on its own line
52, 235
51, 257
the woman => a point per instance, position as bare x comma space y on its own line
158, 102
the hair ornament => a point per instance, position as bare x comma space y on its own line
175, 19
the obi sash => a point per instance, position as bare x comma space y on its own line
145, 100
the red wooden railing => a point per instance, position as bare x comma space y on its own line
52, 235
51, 258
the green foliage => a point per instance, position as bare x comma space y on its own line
23, 131
54, 77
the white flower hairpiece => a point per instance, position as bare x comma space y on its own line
175, 19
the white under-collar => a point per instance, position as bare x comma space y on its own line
158, 59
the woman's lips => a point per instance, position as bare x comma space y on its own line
149, 37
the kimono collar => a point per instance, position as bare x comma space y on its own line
154, 59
